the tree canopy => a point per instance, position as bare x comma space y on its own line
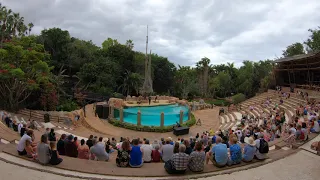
48, 71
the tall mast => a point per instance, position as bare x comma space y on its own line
146, 60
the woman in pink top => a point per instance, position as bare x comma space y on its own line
83, 150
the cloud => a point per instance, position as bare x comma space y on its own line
183, 31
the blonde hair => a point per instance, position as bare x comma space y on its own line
53, 145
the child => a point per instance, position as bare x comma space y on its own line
108, 149
31, 153
55, 158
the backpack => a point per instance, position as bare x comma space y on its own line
264, 146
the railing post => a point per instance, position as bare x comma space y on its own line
121, 114
139, 118
181, 117
162, 119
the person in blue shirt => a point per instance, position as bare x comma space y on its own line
235, 152
249, 150
218, 154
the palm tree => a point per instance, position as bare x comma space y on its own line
131, 81
130, 44
30, 26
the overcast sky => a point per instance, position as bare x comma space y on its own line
182, 30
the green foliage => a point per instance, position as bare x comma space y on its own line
294, 49
238, 98
67, 105
313, 42
217, 102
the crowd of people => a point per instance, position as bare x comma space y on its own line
223, 148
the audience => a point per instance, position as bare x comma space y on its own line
123, 156
43, 150
167, 150
249, 150
235, 152
83, 150
60, 145
52, 135
156, 155
147, 151
22, 143
98, 150
262, 148
136, 154
197, 158
71, 149
89, 141
218, 154
178, 162
55, 158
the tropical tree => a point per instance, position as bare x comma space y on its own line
313, 42
294, 49
203, 70
130, 44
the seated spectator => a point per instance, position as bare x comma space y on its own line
208, 147
178, 162
31, 153
197, 157
109, 149
71, 149
123, 156
60, 145
52, 135
176, 147
305, 131
315, 128
167, 150
147, 150
262, 147
156, 155
235, 152
155, 143
43, 149
218, 154
89, 141
249, 150
98, 150
188, 147
83, 150
113, 142
136, 154
75, 141
55, 158
22, 143
23, 130
291, 139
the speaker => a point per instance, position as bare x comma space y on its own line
105, 111
99, 110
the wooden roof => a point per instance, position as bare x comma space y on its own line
299, 57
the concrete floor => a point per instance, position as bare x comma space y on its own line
302, 165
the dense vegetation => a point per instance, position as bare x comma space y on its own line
51, 70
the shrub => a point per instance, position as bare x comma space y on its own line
67, 105
238, 98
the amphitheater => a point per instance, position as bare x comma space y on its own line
299, 162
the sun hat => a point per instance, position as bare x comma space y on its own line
250, 141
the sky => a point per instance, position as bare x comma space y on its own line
182, 30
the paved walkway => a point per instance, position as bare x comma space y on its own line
302, 165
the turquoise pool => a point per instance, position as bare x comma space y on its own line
150, 116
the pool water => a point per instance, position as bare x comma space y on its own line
150, 116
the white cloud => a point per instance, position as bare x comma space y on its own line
183, 31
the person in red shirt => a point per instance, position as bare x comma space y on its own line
155, 154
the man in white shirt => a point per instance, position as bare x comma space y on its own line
22, 143
147, 150
167, 150
19, 127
